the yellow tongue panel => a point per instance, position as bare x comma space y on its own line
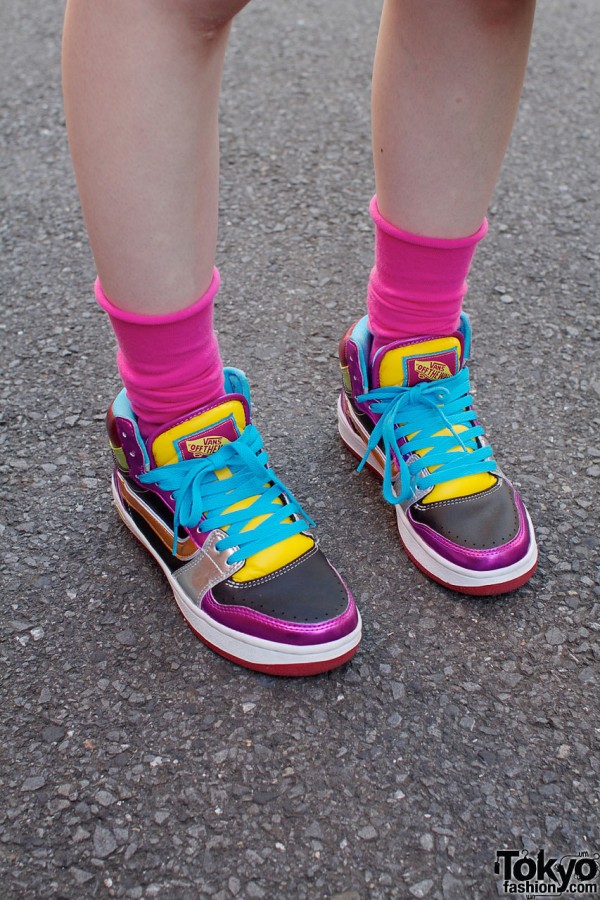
393, 372
266, 561
164, 446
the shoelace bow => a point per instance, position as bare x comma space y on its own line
201, 498
422, 411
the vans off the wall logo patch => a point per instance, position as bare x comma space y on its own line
207, 441
201, 446
431, 368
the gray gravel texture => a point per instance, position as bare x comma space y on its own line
136, 763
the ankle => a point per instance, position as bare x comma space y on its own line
418, 283
169, 364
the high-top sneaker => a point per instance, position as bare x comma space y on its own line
408, 416
235, 545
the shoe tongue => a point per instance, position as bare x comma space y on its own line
201, 433
406, 364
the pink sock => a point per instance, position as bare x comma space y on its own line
418, 283
170, 365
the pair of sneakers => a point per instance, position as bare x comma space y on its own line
238, 550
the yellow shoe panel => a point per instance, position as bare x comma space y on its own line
267, 561
460, 487
457, 487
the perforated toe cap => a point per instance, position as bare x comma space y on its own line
483, 521
308, 591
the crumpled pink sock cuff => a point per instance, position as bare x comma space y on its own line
418, 282
423, 240
170, 364
123, 315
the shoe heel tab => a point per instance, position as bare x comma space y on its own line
126, 441
237, 383
465, 329
342, 346
356, 354
114, 439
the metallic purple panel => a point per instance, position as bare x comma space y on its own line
354, 371
129, 444
255, 624
479, 560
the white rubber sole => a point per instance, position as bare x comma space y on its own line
247, 650
434, 565
468, 581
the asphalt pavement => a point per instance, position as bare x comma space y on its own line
135, 763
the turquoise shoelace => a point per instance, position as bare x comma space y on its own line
421, 411
201, 498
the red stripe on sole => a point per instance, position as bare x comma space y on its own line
485, 590
292, 670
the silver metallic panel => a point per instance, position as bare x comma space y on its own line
208, 567
415, 496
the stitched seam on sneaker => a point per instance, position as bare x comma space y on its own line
469, 551
292, 627
456, 500
239, 585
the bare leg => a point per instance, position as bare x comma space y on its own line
141, 92
446, 85
141, 84
447, 80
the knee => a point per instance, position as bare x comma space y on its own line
503, 12
209, 18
